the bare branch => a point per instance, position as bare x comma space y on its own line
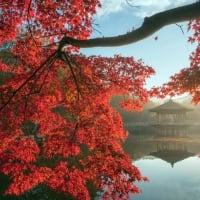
149, 26
131, 4
180, 26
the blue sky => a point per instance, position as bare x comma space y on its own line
167, 55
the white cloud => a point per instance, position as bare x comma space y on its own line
110, 6
147, 7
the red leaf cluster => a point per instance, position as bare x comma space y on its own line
188, 79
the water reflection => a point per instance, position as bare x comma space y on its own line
171, 164
172, 152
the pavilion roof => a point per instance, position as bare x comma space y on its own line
170, 107
172, 156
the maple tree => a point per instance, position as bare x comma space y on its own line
57, 127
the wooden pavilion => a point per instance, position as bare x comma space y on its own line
170, 118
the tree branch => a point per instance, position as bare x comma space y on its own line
149, 26
46, 62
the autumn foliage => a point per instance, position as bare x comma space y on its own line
57, 127
188, 79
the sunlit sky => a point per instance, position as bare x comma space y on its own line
167, 55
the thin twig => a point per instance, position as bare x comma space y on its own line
27, 80
131, 4
181, 27
74, 133
50, 64
95, 29
72, 72
29, 25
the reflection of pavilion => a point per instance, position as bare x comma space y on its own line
171, 152
170, 118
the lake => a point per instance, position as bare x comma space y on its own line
171, 164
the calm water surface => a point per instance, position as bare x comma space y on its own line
171, 164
